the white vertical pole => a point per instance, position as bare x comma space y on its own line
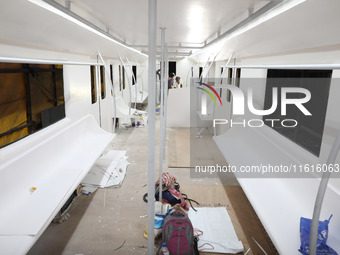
165, 90
151, 123
162, 115
320, 196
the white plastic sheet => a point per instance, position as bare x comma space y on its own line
109, 170
217, 229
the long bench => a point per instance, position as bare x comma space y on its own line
36, 183
279, 201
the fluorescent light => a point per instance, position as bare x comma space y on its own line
216, 45
44, 61
195, 20
92, 29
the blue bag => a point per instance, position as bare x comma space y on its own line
322, 247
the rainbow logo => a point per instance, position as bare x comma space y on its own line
209, 93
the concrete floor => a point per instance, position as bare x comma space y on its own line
112, 220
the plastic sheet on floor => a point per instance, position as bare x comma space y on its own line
218, 230
109, 170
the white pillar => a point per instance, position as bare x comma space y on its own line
151, 123
162, 114
320, 196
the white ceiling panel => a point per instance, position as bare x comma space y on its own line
310, 26
189, 23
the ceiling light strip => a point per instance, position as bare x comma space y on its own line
267, 12
171, 47
45, 61
60, 10
296, 66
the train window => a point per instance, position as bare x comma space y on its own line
309, 129
102, 82
123, 75
200, 70
120, 79
229, 81
111, 76
93, 84
31, 98
230, 75
134, 71
237, 77
221, 81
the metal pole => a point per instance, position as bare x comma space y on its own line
162, 121
166, 69
151, 123
320, 196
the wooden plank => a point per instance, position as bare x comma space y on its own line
179, 148
185, 149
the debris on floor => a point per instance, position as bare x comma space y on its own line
140, 120
108, 171
87, 189
63, 214
259, 246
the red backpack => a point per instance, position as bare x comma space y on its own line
178, 234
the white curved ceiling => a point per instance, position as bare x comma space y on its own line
313, 24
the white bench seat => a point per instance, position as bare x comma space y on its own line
55, 167
279, 202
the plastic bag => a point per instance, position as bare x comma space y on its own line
322, 247
161, 211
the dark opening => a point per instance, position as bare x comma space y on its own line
229, 81
102, 82
120, 79
93, 85
221, 82
200, 70
172, 67
111, 76
309, 130
237, 77
230, 75
134, 77
123, 75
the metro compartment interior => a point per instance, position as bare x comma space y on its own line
79, 78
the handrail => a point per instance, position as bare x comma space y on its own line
320, 196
